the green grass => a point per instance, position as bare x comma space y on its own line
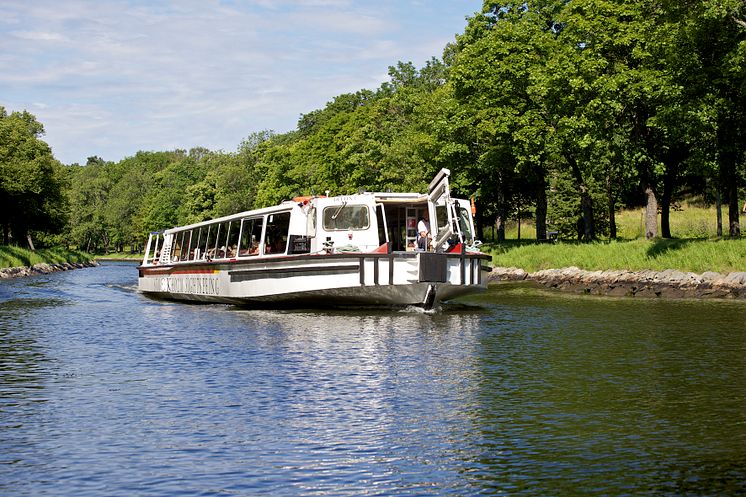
688, 220
125, 256
11, 256
695, 246
695, 255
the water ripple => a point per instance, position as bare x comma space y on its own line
105, 392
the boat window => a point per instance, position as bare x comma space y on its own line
311, 223
346, 218
208, 251
153, 251
232, 238
177, 244
464, 222
276, 236
381, 220
187, 246
251, 235
220, 240
194, 244
442, 217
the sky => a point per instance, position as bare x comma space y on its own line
108, 78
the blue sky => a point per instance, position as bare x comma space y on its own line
109, 78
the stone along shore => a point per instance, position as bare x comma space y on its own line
42, 268
646, 283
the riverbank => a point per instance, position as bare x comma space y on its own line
625, 283
42, 268
673, 268
17, 261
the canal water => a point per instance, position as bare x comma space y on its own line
104, 392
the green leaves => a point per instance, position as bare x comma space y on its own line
588, 102
31, 180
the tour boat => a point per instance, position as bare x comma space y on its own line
348, 250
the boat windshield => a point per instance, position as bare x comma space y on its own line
464, 222
346, 218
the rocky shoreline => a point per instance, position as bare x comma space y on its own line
42, 268
623, 283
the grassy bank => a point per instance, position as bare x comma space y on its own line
120, 256
695, 255
11, 256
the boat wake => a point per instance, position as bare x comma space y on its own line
413, 309
123, 288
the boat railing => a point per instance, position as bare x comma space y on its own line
153, 248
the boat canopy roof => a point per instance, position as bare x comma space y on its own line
378, 197
389, 197
283, 207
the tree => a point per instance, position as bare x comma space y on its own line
495, 66
31, 180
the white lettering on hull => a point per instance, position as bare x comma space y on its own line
197, 285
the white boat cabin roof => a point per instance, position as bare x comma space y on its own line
287, 205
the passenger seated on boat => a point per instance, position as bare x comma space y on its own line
221, 252
232, 251
253, 250
276, 247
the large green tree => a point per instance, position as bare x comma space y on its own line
31, 180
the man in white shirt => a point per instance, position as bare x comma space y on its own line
423, 232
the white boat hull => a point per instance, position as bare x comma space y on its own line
360, 279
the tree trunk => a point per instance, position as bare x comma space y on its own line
479, 219
541, 210
666, 208
665, 216
651, 214
612, 208
502, 213
735, 227
719, 212
499, 229
30, 243
730, 157
733, 210
673, 159
586, 203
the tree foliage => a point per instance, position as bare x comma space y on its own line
31, 180
566, 109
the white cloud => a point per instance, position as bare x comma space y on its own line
107, 78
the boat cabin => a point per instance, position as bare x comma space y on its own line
361, 223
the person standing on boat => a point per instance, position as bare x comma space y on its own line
423, 232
